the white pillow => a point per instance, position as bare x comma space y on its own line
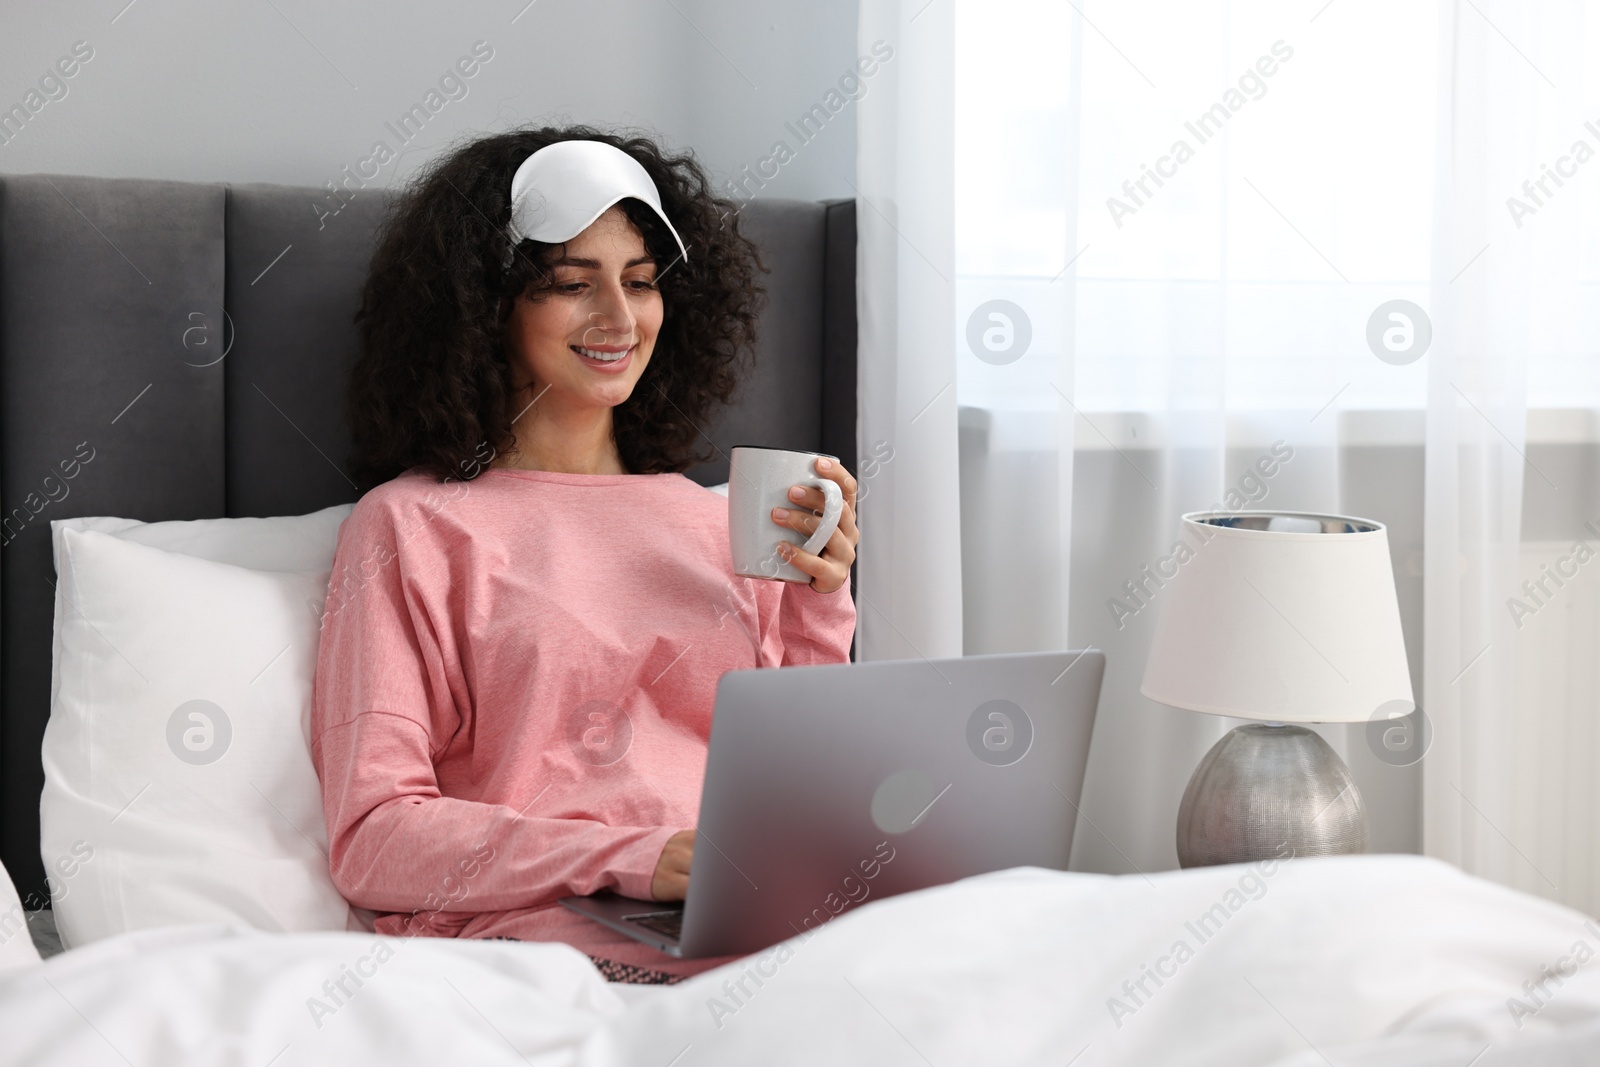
16, 943
723, 489
278, 543
159, 809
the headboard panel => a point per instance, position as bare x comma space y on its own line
175, 350
292, 291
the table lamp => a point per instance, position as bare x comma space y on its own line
1285, 618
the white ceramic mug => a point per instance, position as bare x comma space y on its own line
758, 481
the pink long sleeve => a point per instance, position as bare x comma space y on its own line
514, 691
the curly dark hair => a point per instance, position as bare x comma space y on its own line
431, 386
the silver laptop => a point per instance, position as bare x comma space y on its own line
827, 787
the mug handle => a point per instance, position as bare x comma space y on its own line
832, 509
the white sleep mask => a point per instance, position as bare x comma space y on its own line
563, 187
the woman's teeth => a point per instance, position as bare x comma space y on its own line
604, 357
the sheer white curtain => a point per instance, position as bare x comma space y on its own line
909, 596
1172, 225
1509, 782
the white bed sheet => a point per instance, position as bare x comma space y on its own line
1378, 960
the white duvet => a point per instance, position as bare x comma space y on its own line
1376, 960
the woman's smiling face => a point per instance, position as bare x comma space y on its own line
585, 342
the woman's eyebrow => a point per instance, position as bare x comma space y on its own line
594, 264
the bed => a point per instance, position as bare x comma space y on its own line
180, 348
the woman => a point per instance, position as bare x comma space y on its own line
529, 614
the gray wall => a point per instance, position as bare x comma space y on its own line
293, 91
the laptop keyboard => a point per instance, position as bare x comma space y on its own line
665, 923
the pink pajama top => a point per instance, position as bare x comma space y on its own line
514, 688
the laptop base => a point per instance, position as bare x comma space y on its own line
656, 923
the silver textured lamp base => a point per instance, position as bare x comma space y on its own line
1265, 789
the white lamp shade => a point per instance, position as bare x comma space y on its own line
1279, 616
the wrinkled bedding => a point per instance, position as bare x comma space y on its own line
1370, 960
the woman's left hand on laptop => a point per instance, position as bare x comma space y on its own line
671, 880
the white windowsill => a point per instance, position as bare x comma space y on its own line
1035, 429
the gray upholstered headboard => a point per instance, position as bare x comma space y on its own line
119, 300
